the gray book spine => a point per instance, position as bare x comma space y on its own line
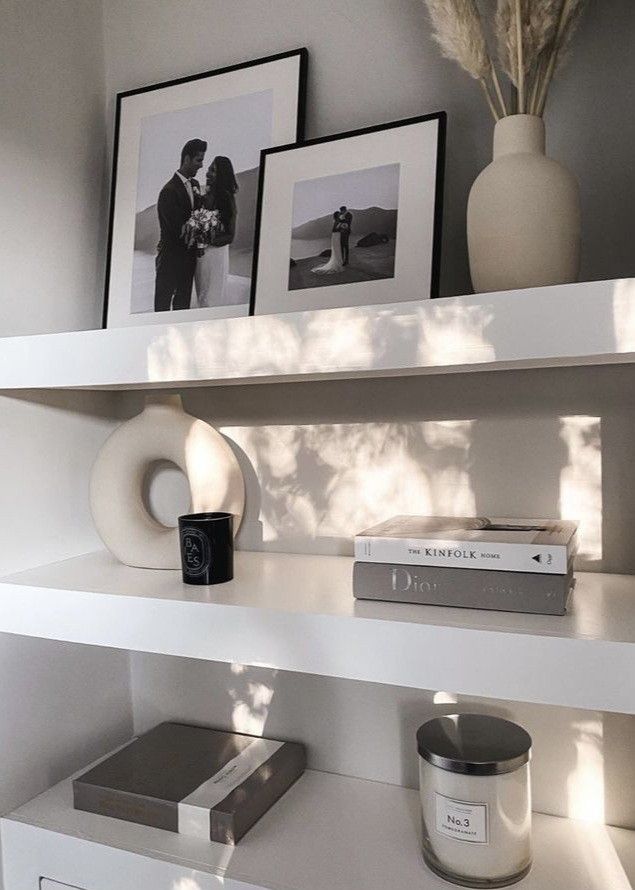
125, 805
464, 588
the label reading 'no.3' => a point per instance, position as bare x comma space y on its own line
461, 820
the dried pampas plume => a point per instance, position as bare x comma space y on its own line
458, 30
567, 23
532, 37
569, 28
459, 33
539, 23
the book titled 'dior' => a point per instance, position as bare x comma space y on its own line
192, 780
504, 564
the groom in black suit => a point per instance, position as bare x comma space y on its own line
175, 263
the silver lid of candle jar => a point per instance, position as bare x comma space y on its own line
474, 744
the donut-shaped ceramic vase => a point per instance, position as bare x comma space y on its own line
163, 431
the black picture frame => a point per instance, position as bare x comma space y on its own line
303, 56
439, 116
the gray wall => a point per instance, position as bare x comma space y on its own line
373, 61
56, 85
51, 171
51, 165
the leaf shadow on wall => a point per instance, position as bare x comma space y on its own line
325, 460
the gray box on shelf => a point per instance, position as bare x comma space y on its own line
192, 780
466, 588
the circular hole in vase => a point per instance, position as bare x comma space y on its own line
166, 493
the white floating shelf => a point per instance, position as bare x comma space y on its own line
576, 324
297, 613
327, 833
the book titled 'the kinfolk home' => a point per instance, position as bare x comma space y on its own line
192, 780
512, 545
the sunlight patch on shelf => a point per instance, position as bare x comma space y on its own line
454, 334
602, 864
581, 481
169, 356
226, 347
266, 345
444, 698
624, 314
342, 341
585, 783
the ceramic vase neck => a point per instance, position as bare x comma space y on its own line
519, 134
164, 400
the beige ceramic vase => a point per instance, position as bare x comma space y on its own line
523, 213
163, 431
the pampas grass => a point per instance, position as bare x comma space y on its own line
567, 24
539, 20
459, 33
458, 30
532, 40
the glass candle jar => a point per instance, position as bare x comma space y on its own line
475, 799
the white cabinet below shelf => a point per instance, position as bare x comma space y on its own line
328, 832
297, 613
591, 322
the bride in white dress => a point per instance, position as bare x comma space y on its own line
212, 269
335, 262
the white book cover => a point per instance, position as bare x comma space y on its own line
512, 545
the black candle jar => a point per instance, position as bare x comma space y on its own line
207, 547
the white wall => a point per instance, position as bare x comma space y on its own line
373, 61
52, 149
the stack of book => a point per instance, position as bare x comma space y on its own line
513, 565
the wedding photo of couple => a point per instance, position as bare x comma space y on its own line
196, 206
340, 241
333, 242
199, 256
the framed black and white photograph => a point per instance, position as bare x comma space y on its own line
185, 188
351, 219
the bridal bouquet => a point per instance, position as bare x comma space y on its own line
200, 228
